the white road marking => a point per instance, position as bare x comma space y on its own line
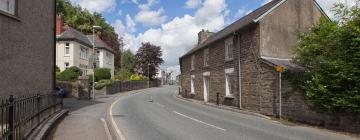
160, 104
106, 128
200, 121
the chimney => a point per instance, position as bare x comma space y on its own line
203, 36
59, 25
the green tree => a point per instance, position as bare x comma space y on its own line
330, 57
128, 60
102, 74
147, 59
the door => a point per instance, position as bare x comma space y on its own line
206, 88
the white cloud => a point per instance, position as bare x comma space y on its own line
193, 4
265, 2
242, 12
119, 13
150, 17
98, 6
131, 25
179, 35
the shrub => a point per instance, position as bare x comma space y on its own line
123, 74
70, 74
102, 74
58, 75
135, 77
57, 69
102, 83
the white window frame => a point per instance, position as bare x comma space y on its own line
193, 59
9, 7
206, 57
229, 49
67, 51
108, 57
228, 82
83, 52
192, 84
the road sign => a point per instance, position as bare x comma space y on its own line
279, 68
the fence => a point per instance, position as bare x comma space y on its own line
20, 115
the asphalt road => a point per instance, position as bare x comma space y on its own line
155, 114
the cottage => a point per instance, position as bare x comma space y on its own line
73, 48
27, 45
238, 62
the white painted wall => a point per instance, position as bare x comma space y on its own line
106, 62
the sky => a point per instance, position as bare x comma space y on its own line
174, 24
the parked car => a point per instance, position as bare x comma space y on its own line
61, 92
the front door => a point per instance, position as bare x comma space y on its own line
206, 88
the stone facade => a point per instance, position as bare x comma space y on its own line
259, 47
27, 56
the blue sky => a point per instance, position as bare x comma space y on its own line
173, 24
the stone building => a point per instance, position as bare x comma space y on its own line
27, 45
239, 61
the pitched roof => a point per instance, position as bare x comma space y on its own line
242, 22
72, 34
286, 63
99, 43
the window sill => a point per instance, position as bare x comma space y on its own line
9, 15
192, 93
229, 97
229, 60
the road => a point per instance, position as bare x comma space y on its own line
155, 114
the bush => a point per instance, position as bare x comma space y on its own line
102, 74
135, 77
123, 74
57, 69
58, 75
102, 83
70, 74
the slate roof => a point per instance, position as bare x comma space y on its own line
242, 22
71, 34
286, 63
99, 43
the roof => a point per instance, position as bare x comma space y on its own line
99, 43
286, 63
251, 18
242, 22
71, 34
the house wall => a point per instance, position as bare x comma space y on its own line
279, 29
74, 58
105, 62
27, 57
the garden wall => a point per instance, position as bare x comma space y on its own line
122, 86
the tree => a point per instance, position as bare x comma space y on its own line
83, 20
70, 74
330, 57
148, 59
128, 60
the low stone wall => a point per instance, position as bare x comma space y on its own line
295, 108
122, 86
78, 89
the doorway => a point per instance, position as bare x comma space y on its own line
206, 88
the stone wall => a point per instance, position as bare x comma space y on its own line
78, 89
122, 86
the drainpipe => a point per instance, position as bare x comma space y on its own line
239, 70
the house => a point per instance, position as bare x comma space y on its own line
74, 48
238, 63
27, 41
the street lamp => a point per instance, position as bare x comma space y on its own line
94, 59
148, 75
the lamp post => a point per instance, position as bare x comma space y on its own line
94, 59
280, 69
148, 75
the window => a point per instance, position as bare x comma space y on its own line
67, 44
8, 6
83, 53
193, 62
206, 57
108, 57
192, 81
229, 47
67, 65
67, 51
229, 82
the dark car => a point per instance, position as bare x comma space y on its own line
60, 92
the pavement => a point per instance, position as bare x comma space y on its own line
156, 114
